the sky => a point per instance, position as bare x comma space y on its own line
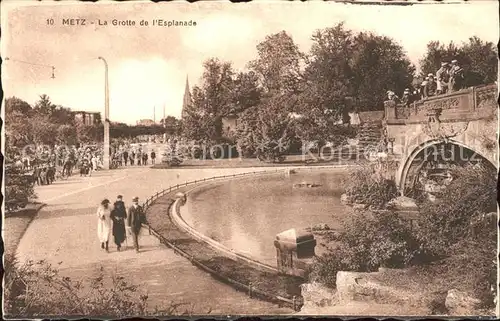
148, 65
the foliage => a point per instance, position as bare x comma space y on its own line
19, 188
266, 130
480, 253
67, 135
44, 106
171, 124
36, 289
221, 94
378, 64
278, 64
369, 240
365, 186
477, 57
324, 269
447, 220
121, 130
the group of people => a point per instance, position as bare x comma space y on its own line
117, 220
449, 78
133, 157
88, 164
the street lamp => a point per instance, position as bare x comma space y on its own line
105, 160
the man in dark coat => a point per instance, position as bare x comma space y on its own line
118, 216
153, 157
456, 76
430, 88
125, 157
135, 218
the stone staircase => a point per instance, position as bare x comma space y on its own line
369, 135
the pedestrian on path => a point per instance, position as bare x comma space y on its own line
135, 218
104, 223
118, 216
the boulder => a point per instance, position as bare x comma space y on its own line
321, 227
460, 303
344, 199
358, 206
403, 203
316, 295
358, 286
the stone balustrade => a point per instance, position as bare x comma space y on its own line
467, 104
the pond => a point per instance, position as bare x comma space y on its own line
246, 214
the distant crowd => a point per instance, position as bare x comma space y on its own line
138, 155
449, 78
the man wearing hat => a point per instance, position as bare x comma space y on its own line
430, 88
392, 96
422, 86
406, 99
443, 78
456, 76
135, 218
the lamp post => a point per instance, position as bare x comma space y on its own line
105, 159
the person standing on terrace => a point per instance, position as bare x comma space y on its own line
456, 76
430, 88
443, 78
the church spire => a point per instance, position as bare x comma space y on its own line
187, 99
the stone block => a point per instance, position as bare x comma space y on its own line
460, 303
357, 286
317, 295
403, 203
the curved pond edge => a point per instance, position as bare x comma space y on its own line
295, 302
182, 224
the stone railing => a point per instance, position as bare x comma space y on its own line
471, 103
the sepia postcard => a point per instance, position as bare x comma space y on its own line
268, 158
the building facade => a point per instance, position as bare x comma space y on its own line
87, 118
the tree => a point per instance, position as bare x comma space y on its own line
378, 64
266, 130
18, 130
246, 91
44, 106
62, 116
477, 57
14, 104
328, 73
171, 124
66, 135
278, 64
43, 130
211, 101
437, 53
480, 61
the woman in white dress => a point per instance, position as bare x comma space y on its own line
93, 162
104, 223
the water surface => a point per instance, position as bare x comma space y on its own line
246, 214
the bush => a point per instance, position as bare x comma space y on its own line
367, 242
19, 188
448, 220
478, 254
370, 240
324, 269
365, 186
35, 289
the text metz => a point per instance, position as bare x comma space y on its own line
74, 22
